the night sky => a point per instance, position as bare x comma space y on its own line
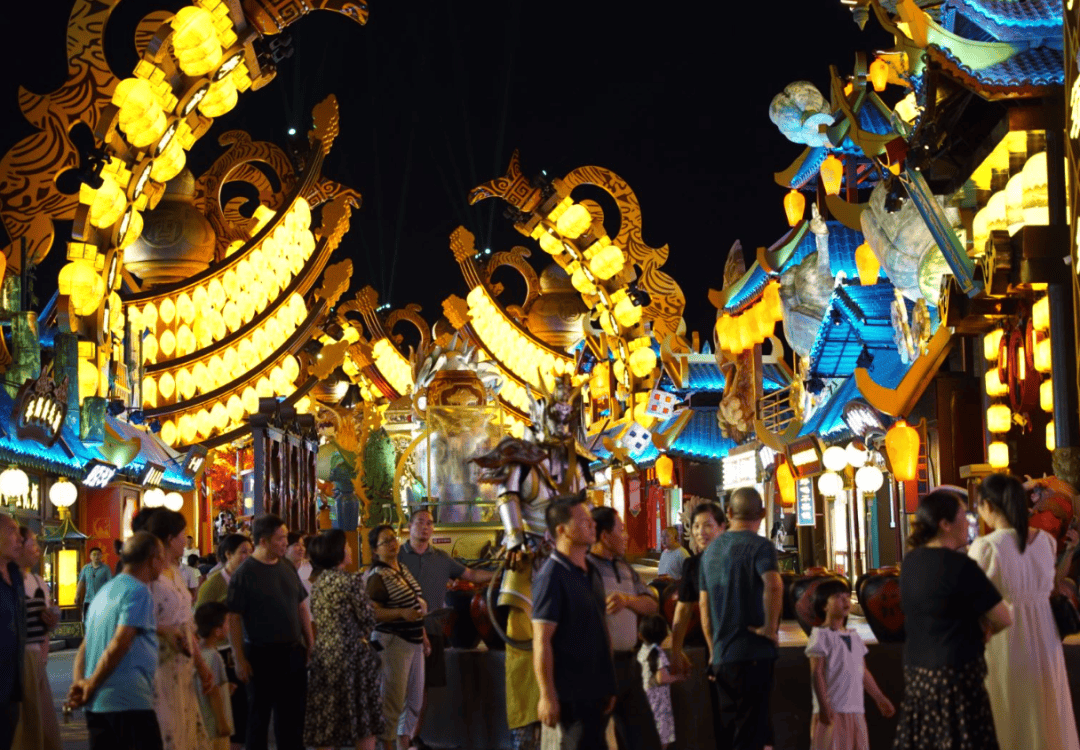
436, 94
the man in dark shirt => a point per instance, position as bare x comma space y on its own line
270, 631
12, 629
571, 650
740, 601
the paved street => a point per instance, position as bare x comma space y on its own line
73, 734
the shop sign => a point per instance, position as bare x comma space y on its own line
40, 406
740, 468
805, 456
804, 502
99, 474
151, 475
31, 501
194, 461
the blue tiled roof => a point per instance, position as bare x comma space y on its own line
1012, 20
753, 282
810, 166
67, 457
707, 376
1041, 66
154, 451
859, 317
700, 439
828, 420
842, 244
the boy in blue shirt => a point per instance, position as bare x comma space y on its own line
120, 655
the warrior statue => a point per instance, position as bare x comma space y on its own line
531, 472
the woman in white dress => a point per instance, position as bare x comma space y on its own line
179, 656
1026, 679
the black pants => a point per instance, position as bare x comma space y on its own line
583, 724
743, 691
635, 727
277, 687
137, 730
9, 719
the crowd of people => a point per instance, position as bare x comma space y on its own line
281, 632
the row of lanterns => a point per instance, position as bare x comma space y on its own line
752, 326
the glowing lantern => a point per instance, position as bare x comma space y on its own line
606, 261
201, 376
195, 41
167, 343
83, 285
88, 379
166, 385
835, 458
832, 172
869, 479
879, 74
994, 387
642, 361
168, 432
550, 244
185, 341
856, 456
204, 424
998, 455
149, 390
174, 501
785, 482
626, 312
219, 416
185, 308
186, 427
167, 310
1042, 355
264, 387
764, 320
63, 493
169, 162
250, 400
992, 345
794, 207
1051, 436
998, 418
574, 222
231, 316
868, 264
220, 98
235, 408
830, 484
665, 469
107, 203
185, 384
291, 368
216, 294
772, 301
902, 445
1040, 314
1046, 395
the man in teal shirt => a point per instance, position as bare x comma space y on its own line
93, 576
120, 654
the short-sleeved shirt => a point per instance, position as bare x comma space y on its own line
190, 576
671, 561
731, 572
267, 597
572, 599
217, 668
94, 578
689, 585
844, 653
431, 570
395, 589
125, 600
617, 575
943, 594
12, 634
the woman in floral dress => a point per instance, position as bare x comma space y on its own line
344, 706
179, 657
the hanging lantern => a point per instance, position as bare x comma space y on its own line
992, 345
856, 456
63, 493
832, 172
879, 74
785, 482
169, 433
998, 418
574, 222
994, 387
642, 362
868, 264
830, 484
998, 455
626, 312
1042, 355
14, 482
173, 501
1040, 314
835, 458
869, 479
153, 498
665, 470
1051, 436
902, 445
1046, 395
794, 207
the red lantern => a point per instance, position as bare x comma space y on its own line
902, 445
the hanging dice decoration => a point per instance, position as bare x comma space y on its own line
636, 439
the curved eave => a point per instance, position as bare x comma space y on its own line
803, 169
971, 80
1043, 19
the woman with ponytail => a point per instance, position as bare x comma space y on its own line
1026, 679
949, 605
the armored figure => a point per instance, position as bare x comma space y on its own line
531, 473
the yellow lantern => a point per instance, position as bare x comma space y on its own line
250, 400
107, 203
998, 418
550, 244
264, 387
785, 482
665, 470
235, 408
290, 367
879, 74
88, 379
220, 98
579, 279
794, 207
868, 264
231, 316
998, 455
83, 285
574, 222
766, 324
167, 310
605, 261
1051, 436
185, 384
167, 343
1042, 355
203, 330
169, 434
902, 445
626, 312
200, 298
992, 345
994, 387
1046, 395
185, 308
186, 427
642, 361
150, 317
1040, 314
169, 162
149, 391
831, 172
201, 377
216, 294
219, 416
773, 301
195, 41
230, 363
185, 341
204, 424
216, 370
150, 348
166, 385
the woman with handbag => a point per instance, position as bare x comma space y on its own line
1026, 679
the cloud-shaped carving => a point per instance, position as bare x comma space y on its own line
798, 111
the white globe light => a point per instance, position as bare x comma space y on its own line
869, 479
14, 482
174, 500
856, 456
835, 458
63, 493
153, 498
830, 484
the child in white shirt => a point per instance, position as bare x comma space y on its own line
215, 706
839, 676
657, 676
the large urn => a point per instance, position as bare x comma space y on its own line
879, 597
557, 316
482, 620
802, 595
459, 627
177, 241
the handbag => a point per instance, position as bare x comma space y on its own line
1065, 615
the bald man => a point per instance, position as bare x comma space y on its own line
740, 601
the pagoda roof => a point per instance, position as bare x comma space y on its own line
699, 439
67, 457
1010, 20
828, 420
1030, 73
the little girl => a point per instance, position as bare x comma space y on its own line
656, 674
838, 675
